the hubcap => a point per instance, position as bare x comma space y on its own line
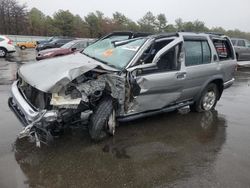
209, 100
2, 53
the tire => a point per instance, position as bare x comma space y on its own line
22, 47
99, 121
207, 100
3, 52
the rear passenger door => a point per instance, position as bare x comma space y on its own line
225, 57
199, 65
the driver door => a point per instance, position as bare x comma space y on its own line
160, 83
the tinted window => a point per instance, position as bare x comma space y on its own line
247, 43
234, 42
197, 52
241, 43
193, 52
223, 49
83, 44
206, 52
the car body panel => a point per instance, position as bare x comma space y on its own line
28, 44
53, 74
242, 49
5, 44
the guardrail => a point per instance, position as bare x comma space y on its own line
25, 38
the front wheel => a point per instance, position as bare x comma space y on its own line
208, 99
103, 120
3, 52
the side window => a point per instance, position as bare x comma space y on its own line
170, 60
241, 43
223, 49
234, 42
83, 44
150, 53
206, 52
193, 53
1, 39
77, 46
197, 52
247, 44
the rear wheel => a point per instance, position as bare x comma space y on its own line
3, 52
23, 47
103, 120
208, 99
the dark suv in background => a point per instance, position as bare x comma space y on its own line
55, 43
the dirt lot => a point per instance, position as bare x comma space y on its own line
181, 149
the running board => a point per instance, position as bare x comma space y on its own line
152, 113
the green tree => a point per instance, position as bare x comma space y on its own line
148, 23
64, 22
93, 21
121, 22
179, 24
161, 23
37, 22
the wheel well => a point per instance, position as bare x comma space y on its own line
3, 48
219, 84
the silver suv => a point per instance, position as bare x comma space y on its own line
242, 49
120, 79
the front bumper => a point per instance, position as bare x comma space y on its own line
21, 108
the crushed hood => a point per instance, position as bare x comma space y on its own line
52, 74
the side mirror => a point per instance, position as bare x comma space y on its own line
73, 49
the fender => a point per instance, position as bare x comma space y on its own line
212, 79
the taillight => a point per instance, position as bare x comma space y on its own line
9, 41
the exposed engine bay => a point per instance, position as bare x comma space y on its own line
72, 105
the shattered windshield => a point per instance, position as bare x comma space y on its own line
116, 55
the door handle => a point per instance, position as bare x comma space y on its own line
181, 75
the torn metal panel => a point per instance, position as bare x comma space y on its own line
53, 74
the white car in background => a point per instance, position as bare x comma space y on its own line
6, 46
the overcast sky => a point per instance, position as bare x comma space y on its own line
226, 13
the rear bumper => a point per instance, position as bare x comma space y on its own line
228, 83
17, 103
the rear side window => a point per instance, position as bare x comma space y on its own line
223, 49
241, 43
197, 53
234, 42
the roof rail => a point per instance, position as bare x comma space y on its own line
162, 35
214, 33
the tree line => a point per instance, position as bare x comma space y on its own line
16, 19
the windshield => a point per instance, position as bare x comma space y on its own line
117, 56
68, 45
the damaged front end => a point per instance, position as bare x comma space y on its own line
46, 114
